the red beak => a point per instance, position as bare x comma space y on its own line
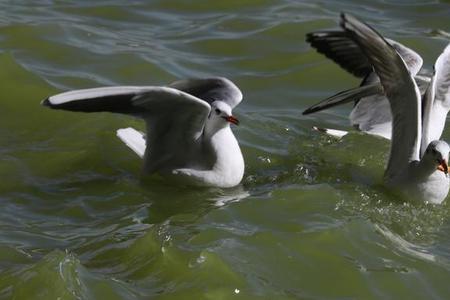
443, 166
232, 119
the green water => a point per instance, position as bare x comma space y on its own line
309, 221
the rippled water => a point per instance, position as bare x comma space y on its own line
310, 219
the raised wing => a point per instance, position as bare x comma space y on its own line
148, 102
437, 100
175, 119
211, 89
411, 58
340, 48
345, 97
117, 99
401, 91
373, 115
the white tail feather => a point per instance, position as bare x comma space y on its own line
133, 139
331, 132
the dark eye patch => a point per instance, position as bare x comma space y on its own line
217, 111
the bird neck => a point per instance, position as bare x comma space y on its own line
227, 151
425, 168
212, 127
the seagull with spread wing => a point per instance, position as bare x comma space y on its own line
188, 126
418, 161
371, 112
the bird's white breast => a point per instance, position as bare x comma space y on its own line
229, 166
435, 188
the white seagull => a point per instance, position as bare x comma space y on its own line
371, 112
188, 138
418, 161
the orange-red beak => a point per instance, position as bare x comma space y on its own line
232, 120
443, 166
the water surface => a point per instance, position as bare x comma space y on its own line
310, 220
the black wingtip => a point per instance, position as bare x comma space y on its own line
343, 20
309, 37
46, 103
307, 111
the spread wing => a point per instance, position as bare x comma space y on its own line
175, 119
340, 48
437, 100
373, 115
410, 57
343, 50
346, 96
401, 91
211, 89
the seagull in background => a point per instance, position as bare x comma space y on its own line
188, 137
371, 112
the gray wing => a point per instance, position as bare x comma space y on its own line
373, 115
340, 48
211, 89
337, 46
401, 91
410, 57
437, 100
117, 99
150, 103
175, 119
345, 97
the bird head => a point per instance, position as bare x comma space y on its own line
221, 113
437, 152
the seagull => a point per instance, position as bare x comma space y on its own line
371, 112
418, 160
188, 137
